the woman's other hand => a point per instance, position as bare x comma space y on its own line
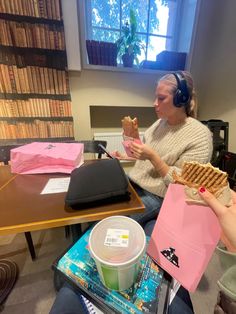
141, 151
226, 217
145, 152
120, 156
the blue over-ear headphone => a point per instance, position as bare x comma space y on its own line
182, 96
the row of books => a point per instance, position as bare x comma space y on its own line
48, 9
33, 79
35, 107
101, 53
32, 35
36, 129
21, 59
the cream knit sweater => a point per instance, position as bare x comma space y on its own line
188, 141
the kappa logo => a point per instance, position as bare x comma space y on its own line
50, 146
170, 255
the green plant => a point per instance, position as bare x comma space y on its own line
129, 43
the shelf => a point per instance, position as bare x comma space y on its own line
28, 119
39, 57
30, 140
27, 96
30, 19
59, 67
42, 51
120, 68
34, 71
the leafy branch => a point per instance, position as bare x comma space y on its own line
129, 42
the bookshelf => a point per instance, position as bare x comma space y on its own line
35, 101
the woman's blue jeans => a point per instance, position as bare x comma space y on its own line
152, 203
69, 301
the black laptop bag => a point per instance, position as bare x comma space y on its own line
101, 182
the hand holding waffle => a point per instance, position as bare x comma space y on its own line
226, 216
130, 127
194, 175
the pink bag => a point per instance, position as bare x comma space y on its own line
42, 157
126, 145
184, 238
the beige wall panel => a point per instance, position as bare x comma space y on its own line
107, 88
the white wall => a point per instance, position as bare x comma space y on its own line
214, 63
72, 38
186, 25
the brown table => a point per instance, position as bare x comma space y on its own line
24, 209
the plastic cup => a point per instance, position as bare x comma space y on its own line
117, 245
227, 259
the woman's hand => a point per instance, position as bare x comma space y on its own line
118, 155
141, 151
145, 152
226, 217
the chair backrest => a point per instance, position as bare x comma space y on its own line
93, 147
5, 153
227, 162
89, 147
220, 134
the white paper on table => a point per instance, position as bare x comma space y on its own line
56, 185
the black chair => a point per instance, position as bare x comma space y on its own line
89, 147
93, 147
220, 134
226, 161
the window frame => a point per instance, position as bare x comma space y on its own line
83, 27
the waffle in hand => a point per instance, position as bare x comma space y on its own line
194, 175
130, 127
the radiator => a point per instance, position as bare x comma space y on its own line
113, 139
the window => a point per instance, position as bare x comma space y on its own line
161, 24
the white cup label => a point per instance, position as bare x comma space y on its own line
117, 237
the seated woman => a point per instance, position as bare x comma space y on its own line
175, 137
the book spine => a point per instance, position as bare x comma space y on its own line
36, 8
57, 10
27, 84
51, 82
43, 83
47, 83
3, 6
5, 77
53, 6
49, 8
20, 108
30, 79
2, 79
12, 79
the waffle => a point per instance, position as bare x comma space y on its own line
130, 127
194, 175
